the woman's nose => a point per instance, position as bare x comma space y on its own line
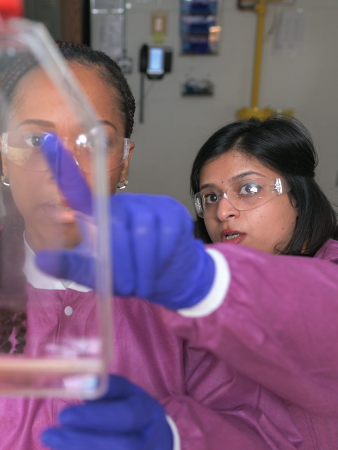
225, 210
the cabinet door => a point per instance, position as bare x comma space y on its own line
48, 12
72, 20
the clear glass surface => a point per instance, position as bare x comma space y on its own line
55, 337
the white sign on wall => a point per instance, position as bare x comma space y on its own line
289, 34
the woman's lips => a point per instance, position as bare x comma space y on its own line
59, 213
232, 236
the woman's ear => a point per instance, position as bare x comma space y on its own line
124, 170
294, 203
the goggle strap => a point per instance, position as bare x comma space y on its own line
278, 186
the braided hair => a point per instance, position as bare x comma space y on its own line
13, 296
109, 71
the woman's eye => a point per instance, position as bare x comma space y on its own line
110, 143
209, 199
34, 140
249, 189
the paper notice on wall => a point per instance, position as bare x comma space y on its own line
107, 32
289, 34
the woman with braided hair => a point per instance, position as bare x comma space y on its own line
183, 401
13, 281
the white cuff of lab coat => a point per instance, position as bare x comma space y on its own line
218, 290
176, 436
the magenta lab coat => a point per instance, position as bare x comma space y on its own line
275, 339
278, 327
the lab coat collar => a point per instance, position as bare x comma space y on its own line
40, 280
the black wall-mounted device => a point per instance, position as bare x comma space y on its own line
155, 61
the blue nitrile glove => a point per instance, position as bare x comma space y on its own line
126, 418
155, 255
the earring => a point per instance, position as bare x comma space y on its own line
123, 185
5, 180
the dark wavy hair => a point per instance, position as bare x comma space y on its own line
13, 297
285, 146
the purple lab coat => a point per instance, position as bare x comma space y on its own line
228, 380
278, 327
197, 389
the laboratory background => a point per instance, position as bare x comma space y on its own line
211, 70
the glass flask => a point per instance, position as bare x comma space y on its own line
52, 342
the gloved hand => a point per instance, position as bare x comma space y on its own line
126, 418
155, 255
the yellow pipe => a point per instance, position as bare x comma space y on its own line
254, 111
261, 11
